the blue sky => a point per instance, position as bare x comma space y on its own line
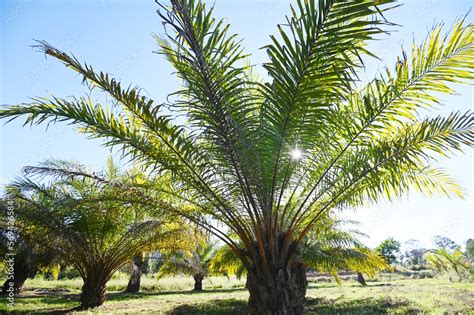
116, 36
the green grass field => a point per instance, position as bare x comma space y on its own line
223, 296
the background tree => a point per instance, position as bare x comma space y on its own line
454, 263
470, 249
390, 249
29, 257
195, 262
269, 158
226, 262
331, 248
443, 242
414, 254
90, 223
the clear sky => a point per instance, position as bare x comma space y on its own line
116, 36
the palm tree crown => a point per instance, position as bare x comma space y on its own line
89, 222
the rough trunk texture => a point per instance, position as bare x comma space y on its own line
93, 292
198, 282
136, 275
21, 272
17, 283
284, 294
360, 279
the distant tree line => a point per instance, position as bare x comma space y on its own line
446, 259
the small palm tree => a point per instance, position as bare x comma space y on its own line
330, 248
269, 158
91, 224
195, 262
442, 260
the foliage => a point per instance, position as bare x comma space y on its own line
194, 261
188, 262
88, 221
331, 249
470, 249
442, 260
86, 216
444, 242
20, 244
51, 272
226, 262
68, 273
414, 254
390, 249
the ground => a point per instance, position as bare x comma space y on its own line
404, 296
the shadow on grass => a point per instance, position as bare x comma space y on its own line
313, 306
56, 304
51, 304
122, 296
321, 285
215, 307
360, 306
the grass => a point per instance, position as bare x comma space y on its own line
148, 284
402, 296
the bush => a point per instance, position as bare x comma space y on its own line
426, 274
419, 267
68, 273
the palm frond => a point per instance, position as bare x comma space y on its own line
312, 67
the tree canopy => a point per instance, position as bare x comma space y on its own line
390, 249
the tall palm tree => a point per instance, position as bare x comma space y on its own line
91, 224
268, 158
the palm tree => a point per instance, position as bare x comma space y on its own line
90, 223
28, 256
329, 248
226, 262
443, 260
195, 262
268, 158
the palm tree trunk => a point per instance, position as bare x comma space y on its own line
198, 282
136, 275
284, 293
18, 283
21, 272
360, 279
93, 290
